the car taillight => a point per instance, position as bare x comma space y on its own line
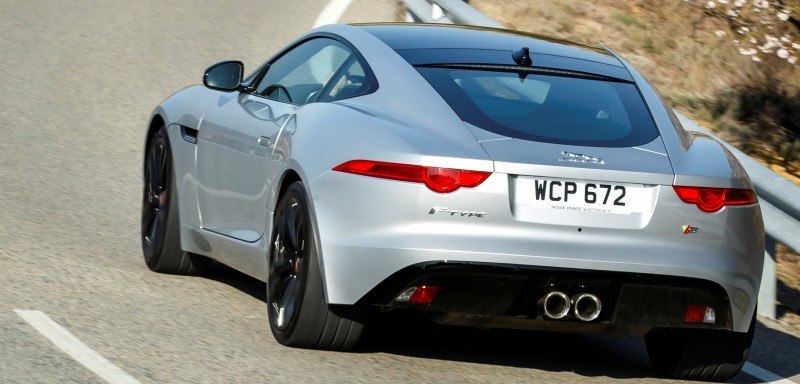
700, 314
713, 199
418, 295
438, 179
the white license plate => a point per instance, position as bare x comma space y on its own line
581, 195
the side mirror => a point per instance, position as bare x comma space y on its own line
224, 76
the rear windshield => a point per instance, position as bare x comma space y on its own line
546, 108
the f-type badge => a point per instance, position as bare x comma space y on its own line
687, 229
579, 158
455, 212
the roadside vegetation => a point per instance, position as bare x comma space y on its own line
731, 65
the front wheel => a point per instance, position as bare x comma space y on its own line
161, 243
298, 314
697, 354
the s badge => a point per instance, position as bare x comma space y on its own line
687, 229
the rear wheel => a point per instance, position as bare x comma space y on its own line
298, 313
161, 243
697, 354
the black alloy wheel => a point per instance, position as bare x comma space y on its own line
287, 269
155, 205
299, 315
161, 242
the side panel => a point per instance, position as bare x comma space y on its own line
187, 108
184, 154
234, 163
246, 257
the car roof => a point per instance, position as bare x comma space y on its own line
415, 36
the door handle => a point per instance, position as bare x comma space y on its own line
264, 141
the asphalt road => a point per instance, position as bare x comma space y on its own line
78, 81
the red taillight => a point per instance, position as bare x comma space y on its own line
713, 199
700, 314
422, 295
438, 179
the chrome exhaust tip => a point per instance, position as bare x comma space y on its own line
587, 306
555, 305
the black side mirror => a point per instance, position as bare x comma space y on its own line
224, 76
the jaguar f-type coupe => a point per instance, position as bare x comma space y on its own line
483, 177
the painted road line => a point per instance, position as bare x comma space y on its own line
763, 374
332, 12
75, 348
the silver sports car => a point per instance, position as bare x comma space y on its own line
483, 177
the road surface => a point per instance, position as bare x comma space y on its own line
79, 80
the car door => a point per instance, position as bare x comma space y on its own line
235, 166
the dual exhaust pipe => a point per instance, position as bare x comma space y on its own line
556, 305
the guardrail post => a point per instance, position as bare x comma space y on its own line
768, 294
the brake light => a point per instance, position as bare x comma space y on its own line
423, 295
700, 314
713, 199
438, 179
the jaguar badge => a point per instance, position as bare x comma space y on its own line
579, 158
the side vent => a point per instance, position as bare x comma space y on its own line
189, 134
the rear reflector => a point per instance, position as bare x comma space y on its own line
713, 199
438, 179
418, 295
700, 314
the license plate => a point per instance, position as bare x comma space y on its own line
581, 195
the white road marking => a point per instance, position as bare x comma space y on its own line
763, 374
332, 12
75, 348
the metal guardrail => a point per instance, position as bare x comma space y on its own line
779, 198
447, 11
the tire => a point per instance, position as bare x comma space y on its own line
298, 314
696, 354
161, 243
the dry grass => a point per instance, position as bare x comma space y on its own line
669, 41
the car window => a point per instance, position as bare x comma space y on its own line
351, 81
546, 108
298, 76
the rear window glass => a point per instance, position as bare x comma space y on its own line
546, 108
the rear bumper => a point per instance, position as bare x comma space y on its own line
508, 296
370, 229
352, 273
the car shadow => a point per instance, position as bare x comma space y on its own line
788, 300
409, 334
224, 274
617, 357
775, 350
